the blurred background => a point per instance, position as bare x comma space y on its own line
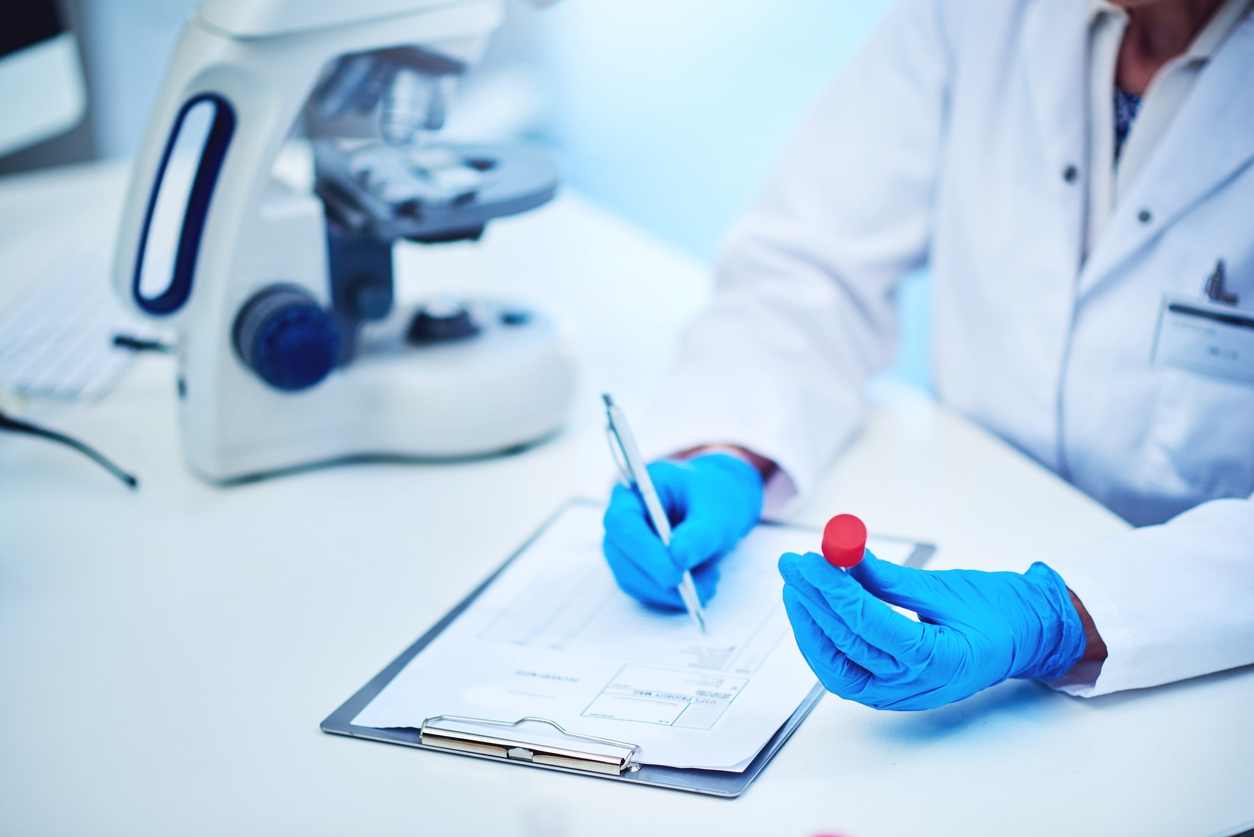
669, 113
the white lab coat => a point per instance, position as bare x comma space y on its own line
945, 142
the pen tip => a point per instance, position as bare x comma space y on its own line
609, 402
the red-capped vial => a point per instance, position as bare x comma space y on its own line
844, 541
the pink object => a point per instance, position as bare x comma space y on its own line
844, 541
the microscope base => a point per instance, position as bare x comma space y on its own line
509, 385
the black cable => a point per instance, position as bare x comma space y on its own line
136, 344
15, 426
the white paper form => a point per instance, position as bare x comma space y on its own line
554, 637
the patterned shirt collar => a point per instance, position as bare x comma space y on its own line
1206, 42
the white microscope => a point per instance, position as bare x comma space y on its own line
291, 350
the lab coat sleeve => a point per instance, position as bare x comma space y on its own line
804, 307
1171, 601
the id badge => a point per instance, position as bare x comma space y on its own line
1206, 337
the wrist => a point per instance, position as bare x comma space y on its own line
1094, 645
766, 468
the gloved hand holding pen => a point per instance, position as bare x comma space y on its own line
978, 629
712, 501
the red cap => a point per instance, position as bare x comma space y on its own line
844, 540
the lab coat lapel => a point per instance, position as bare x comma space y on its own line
1210, 138
1055, 57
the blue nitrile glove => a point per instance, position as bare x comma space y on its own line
712, 501
980, 628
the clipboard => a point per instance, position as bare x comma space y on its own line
436, 734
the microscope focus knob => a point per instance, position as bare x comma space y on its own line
287, 338
441, 323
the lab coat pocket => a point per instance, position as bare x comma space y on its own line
1202, 443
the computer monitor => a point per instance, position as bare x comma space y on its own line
41, 76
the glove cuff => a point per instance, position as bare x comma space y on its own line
727, 459
1062, 641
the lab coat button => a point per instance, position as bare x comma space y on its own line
1070, 173
1144, 216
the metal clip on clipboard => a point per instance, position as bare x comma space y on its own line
480, 744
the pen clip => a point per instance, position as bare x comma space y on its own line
1215, 290
620, 455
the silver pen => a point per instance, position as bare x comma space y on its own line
638, 475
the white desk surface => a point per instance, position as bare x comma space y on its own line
166, 655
